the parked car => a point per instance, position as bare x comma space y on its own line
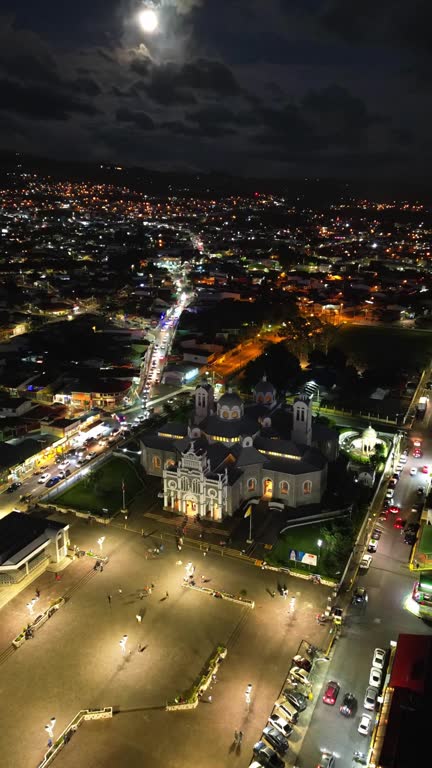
410, 538
373, 545
299, 675
398, 523
376, 533
420, 491
370, 698
300, 661
298, 700
364, 724
348, 705
379, 658
267, 756
64, 464
281, 725
360, 596
365, 562
43, 478
413, 471
275, 739
331, 692
375, 677
389, 493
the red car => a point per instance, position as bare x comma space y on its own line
394, 509
398, 523
425, 469
417, 453
331, 693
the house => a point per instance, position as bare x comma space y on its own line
28, 542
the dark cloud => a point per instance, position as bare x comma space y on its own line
140, 119
324, 84
41, 102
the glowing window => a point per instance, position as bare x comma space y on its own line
307, 487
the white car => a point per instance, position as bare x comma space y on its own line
389, 493
43, 478
365, 562
299, 675
379, 658
364, 725
413, 471
280, 724
375, 677
370, 698
64, 464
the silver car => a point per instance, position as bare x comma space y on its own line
370, 698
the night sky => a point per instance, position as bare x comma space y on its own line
292, 88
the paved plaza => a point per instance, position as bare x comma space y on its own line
75, 660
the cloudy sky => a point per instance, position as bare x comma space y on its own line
255, 87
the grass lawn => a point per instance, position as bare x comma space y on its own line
377, 347
303, 538
103, 488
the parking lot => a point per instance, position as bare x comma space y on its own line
75, 661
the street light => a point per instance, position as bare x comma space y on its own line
100, 541
319, 543
30, 606
122, 643
248, 692
50, 727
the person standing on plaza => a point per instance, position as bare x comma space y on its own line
166, 595
109, 598
240, 737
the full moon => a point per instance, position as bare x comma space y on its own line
148, 20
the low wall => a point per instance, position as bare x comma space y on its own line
223, 595
64, 738
191, 701
39, 621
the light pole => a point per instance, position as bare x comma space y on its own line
319, 543
100, 541
248, 692
50, 727
122, 644
30, 606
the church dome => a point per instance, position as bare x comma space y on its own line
264, 386
230, 399
230, 406
369, 434
265, 392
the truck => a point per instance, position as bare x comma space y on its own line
421, 407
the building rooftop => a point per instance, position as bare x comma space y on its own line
21, 534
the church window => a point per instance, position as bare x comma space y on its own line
251, 484
284, 487
307, 487
169, 463
156, 462
225, 413
235, 414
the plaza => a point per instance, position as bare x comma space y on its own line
76, 661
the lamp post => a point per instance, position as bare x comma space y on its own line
100, 541
248, 692
319, 543
122, 644
50, 727
30, 606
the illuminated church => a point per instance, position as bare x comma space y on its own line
231, 453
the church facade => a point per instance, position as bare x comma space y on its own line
231, 453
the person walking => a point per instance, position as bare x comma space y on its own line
138, 618
166, 595
240, 737
109, 598
236, 736
38, 593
